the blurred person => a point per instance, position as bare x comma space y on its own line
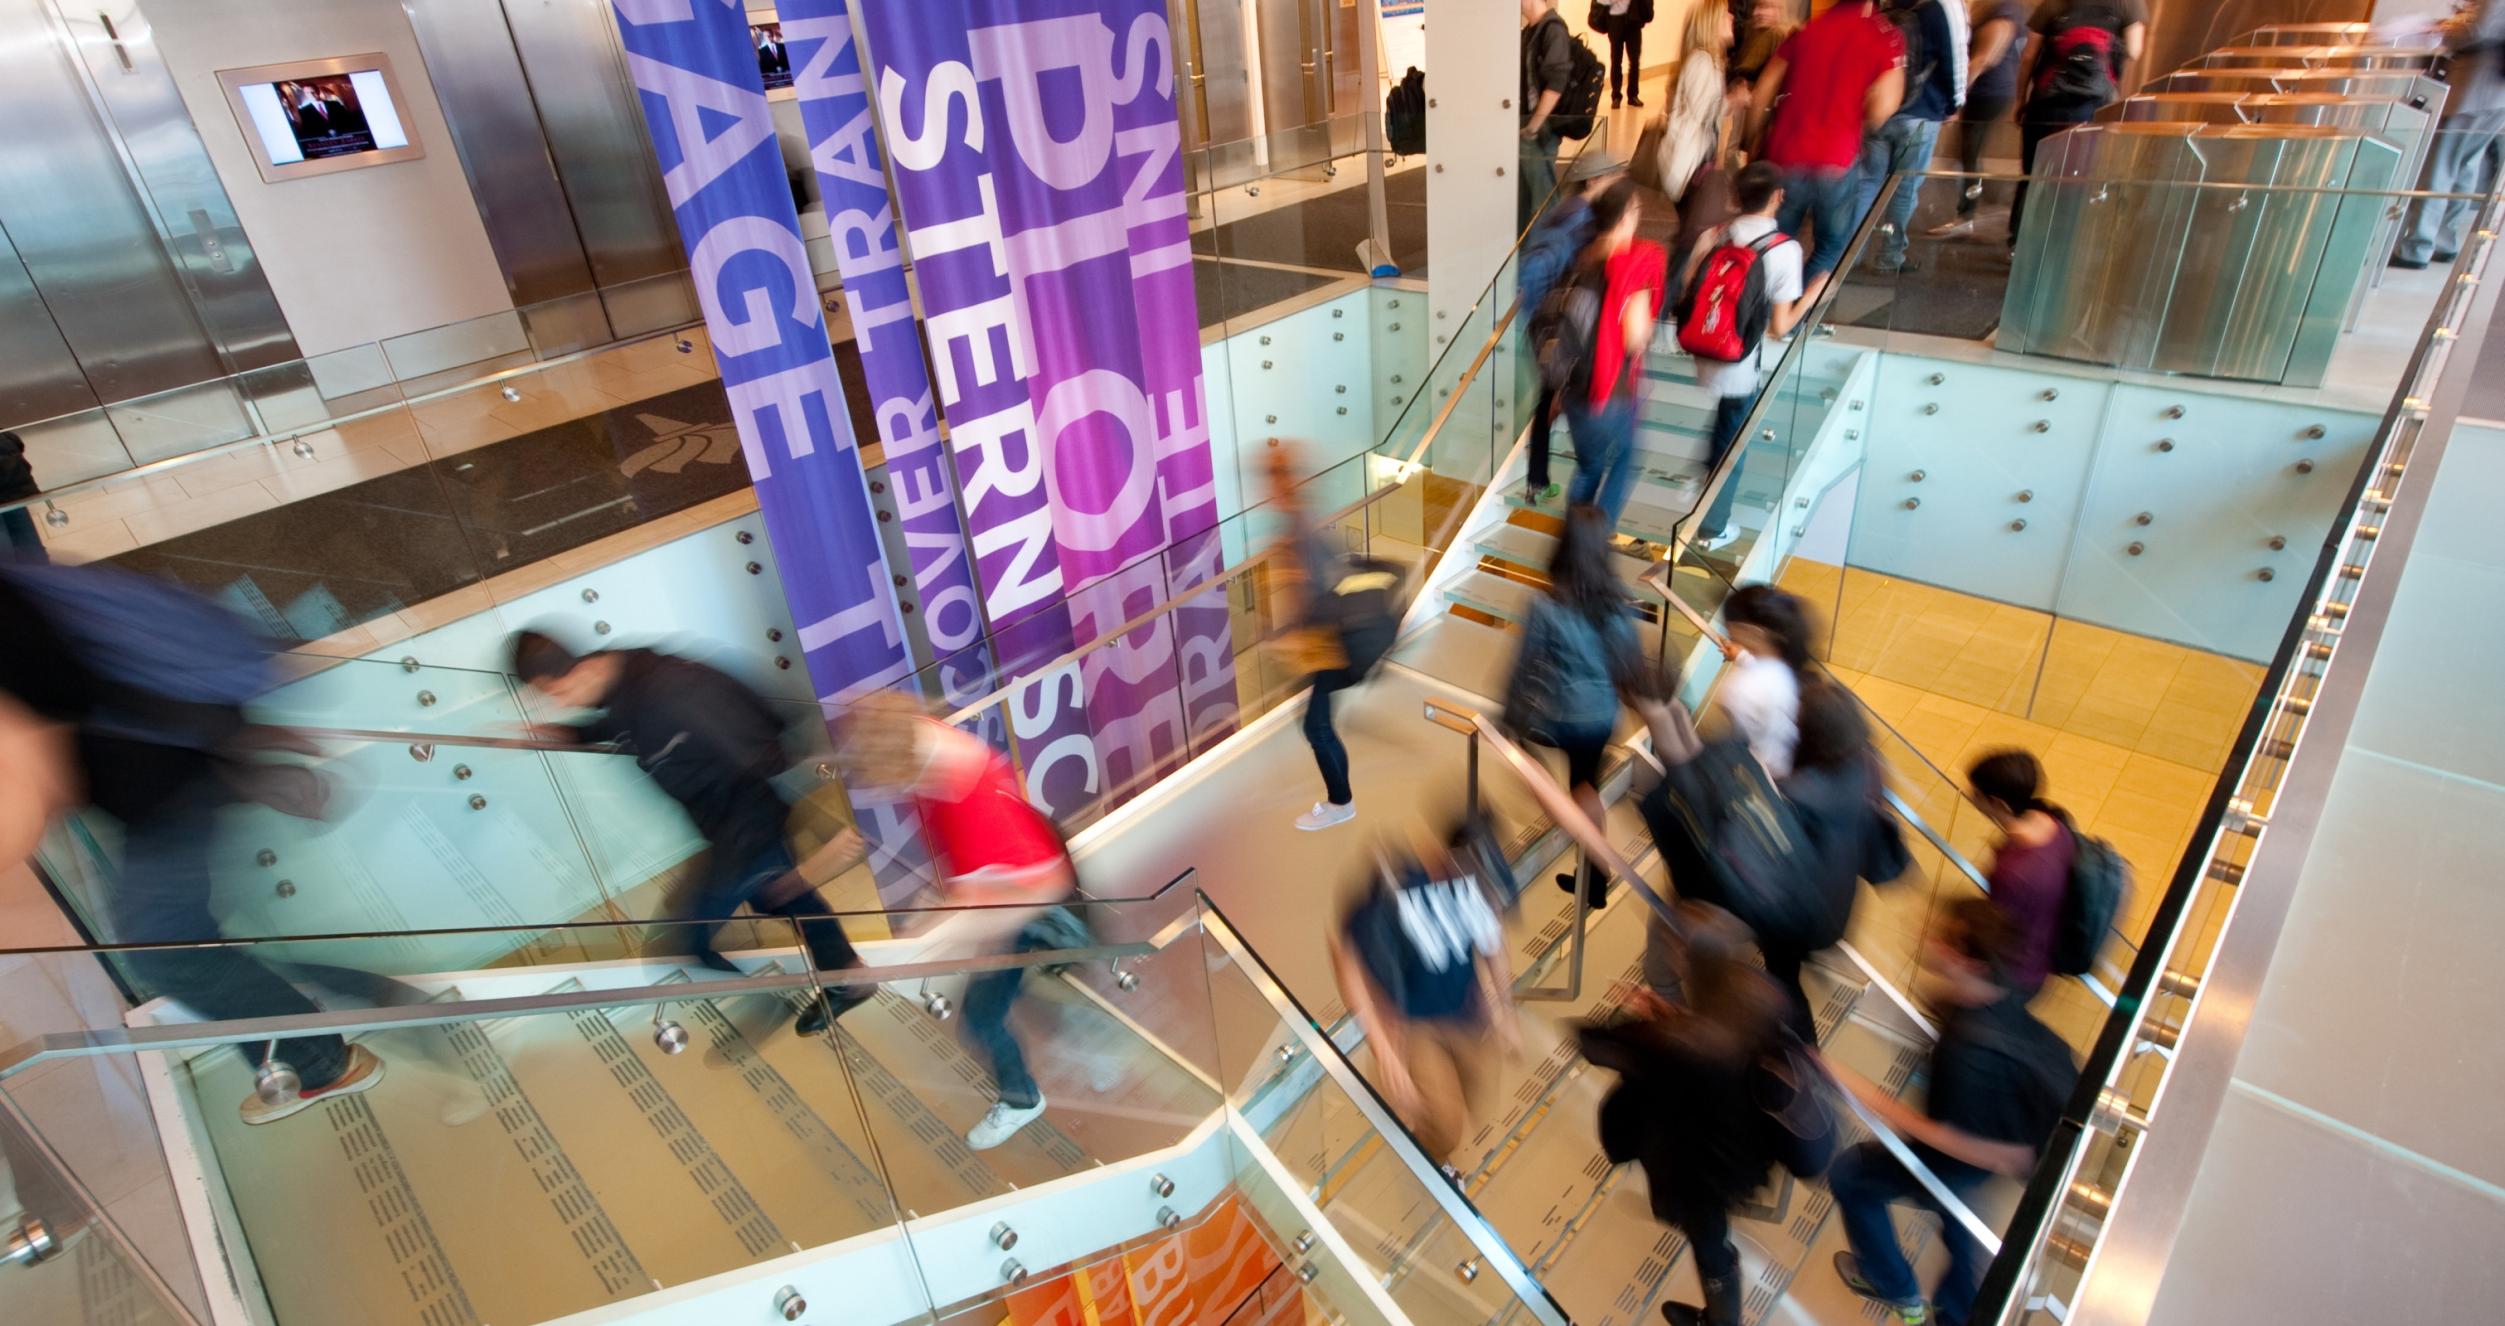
1751, 237
714, 746
1827, 86
2469, 144
1627, 278
1934, 35
1761, 28
1624, 21
1578, 650
992, 851
1998, 1080
1833, 790
1769, 648
1686, 1107
2030, 867
1696, 130
1342, 614
1547, 67
2074, 67
1992, 61
1420, 961
17, 484
1548, 253
126, 694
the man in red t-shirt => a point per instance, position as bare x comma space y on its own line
1838, 78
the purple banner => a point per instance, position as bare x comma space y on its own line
1041, 134
696, 69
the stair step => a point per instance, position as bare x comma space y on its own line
1507, 600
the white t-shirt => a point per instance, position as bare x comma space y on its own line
1783, 285
1762, 700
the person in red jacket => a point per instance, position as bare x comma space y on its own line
990, 849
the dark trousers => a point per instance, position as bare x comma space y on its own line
1627, 46
163, 897
1708, 1229
1783, 966
1329, 752
988, 996
1865, 1182
727, 887
1729, 413
2038, 124
1974, 124
1543, 419
19, 525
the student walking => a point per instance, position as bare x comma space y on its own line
1578, 651
1827, 85
1997, 49
2031, 864
2470, 144
2074, 68
713, 746
1622, 280
1934, 35
1998, 1080
1548, 253
1743, 283
1624, 21
1547, 69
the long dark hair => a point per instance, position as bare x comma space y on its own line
1608, 210
1582, 575
1778, 614
1833, 734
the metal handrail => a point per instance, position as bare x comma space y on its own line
1327, 1057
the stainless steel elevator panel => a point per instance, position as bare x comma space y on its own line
2319, 57
1220, 72
2125, 260
195, 220
84, 235
39, 377
1286, 94
603, 153
496, 132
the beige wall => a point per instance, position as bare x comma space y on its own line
359, 255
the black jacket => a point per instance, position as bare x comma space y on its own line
1686, 1117
707, 740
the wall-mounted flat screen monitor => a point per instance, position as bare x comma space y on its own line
312, 117
774, 61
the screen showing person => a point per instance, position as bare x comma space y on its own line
320, 116
774, 62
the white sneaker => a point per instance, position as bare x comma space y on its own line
1326, 814
1001, 1123
1963, 225
1717, 542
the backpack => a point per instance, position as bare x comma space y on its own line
1724, 311
1565, 682
2078, 61
1906, 17
2099, 878
1796, 1118
1404, 114
1578, 107
156, 642
1565, 331
1731, 839
1363, 608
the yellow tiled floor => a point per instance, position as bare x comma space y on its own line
2132, 732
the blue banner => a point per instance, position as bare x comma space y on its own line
704, 99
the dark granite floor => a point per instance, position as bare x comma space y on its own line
1324, 231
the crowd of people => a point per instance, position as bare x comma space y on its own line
1775, 144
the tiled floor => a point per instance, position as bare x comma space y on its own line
2132, 732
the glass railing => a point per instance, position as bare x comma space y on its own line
2088, 1166
605, 1122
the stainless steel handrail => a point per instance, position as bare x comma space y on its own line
1327, 1057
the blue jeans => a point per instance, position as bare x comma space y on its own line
1604, 453
727, 887
988, 997
1537, 176
1902, 146
1729, 413
1821, 196
1865, 1181
163, 897
2463, 159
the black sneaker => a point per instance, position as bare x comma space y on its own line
822, 1010
1848, 1269
2446, 257
2409, 264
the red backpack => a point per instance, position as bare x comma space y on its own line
1724, 312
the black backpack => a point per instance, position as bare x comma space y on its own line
1578, 107
1404, 114
2099, 879
2077, 66
1731, 839
1363, 607
1565, 331
1906, 15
